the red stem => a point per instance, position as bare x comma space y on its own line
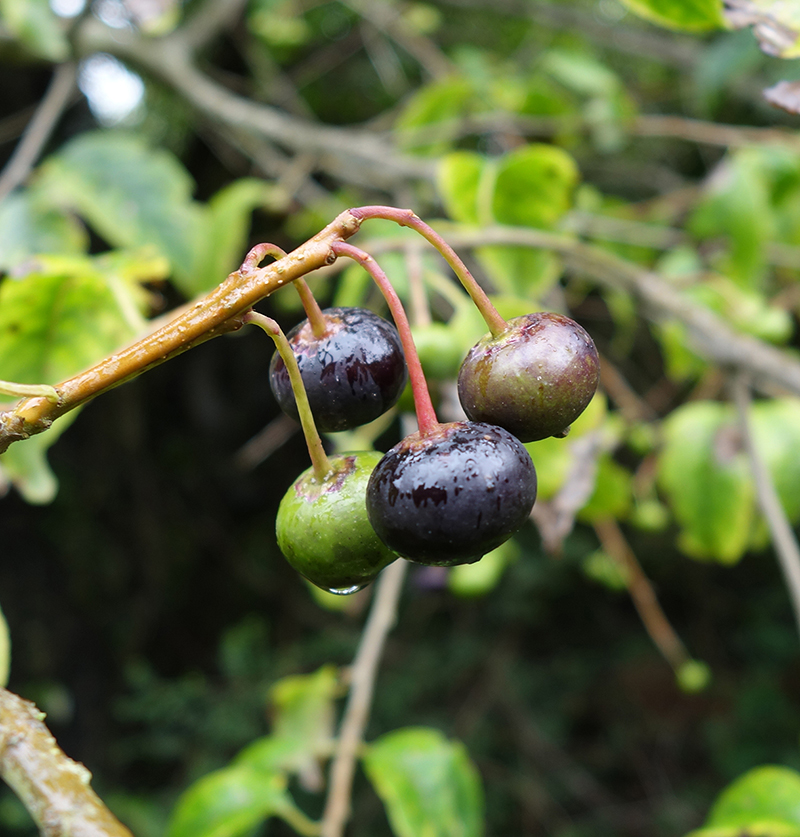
406, 218
426, 416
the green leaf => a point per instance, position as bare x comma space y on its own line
480, 578
132, 195
692, 15
534, 186
230, 802
770, 792
706, 478
458, 177
441, 101
428, 784
29, 229
227, 224
37, 26
520, 271
62, 317
26, 467
776, 432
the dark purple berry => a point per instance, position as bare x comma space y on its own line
354, 373
452, 495
534, 379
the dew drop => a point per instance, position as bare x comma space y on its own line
347, 591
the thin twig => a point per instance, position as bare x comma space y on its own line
642, 594
783, 538
39, 129
53, 788
362, 675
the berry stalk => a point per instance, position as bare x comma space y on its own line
406, 218
426, 415
319, 459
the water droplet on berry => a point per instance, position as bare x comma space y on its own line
347, 591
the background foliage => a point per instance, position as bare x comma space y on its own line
583, 158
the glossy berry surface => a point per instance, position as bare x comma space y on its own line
534, 379
352, 374
452, 495
323, 529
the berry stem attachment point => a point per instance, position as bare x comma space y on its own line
426, 415
407, 218
316, 319
319, 459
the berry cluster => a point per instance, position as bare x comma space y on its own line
448, 493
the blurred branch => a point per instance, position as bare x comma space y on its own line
642, 594
207, 22
382, 617
41, 126
783, 537
711, 336
357, 155
53, 788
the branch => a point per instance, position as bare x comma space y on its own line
783, 538
53, 788
217, 313
39, 129
363, 672
357, 155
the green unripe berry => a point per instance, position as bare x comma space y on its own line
323, 529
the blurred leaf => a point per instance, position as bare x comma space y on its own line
776, 24
458, 177
28, 229
428, 784
441, 101
37, 26
59, 319
480, 578
706, 478
230, 802
764, 801
606, 570
693, 15
776, 431
132, 195
227, 225
612, 495
522, 271
534, 186
26, 467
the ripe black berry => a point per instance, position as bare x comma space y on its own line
451, 495
323, 529
354, 373
534, 379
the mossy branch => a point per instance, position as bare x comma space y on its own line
53, 788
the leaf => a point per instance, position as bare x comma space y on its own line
457, 177
428, 784
60, 318
37, 26
227, 223
441, 101
230, 802
768, 793
534, 186
705, 475
776, 24
28, 229
776, 431
133, 196
692, 15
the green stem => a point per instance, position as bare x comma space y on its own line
426, 415
319, 459
406, 218
29, 391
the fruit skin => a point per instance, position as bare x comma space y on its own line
534, 379
450, 496
352, 375
323, 529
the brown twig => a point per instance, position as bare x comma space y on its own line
217, 313
53, 788
641, 592
783, 538
362, 678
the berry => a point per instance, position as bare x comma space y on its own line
534, 379
323, 529
354, 373
451, 495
